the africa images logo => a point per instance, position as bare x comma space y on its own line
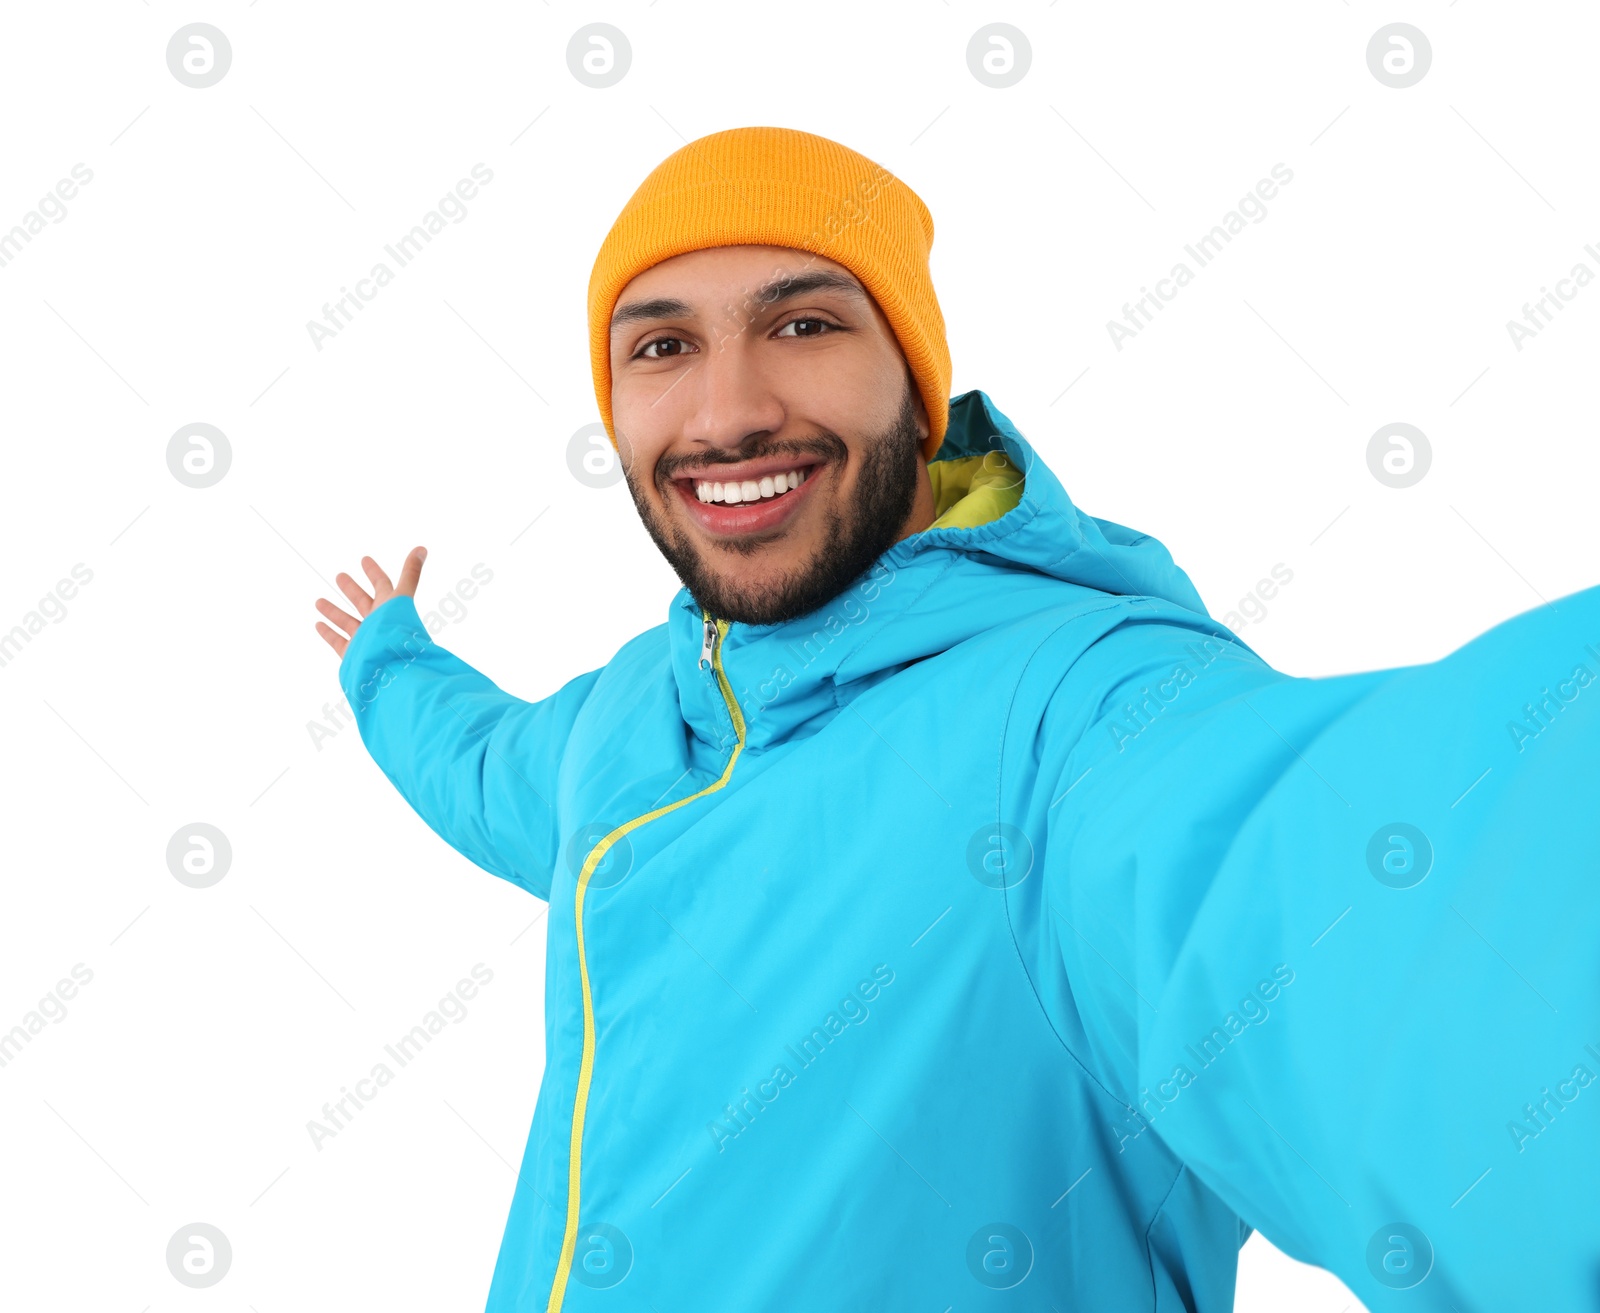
851, 1010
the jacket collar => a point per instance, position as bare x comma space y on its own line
925, 594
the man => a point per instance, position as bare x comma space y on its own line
945, 912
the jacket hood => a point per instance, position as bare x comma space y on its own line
924, 595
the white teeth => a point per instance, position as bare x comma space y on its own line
763, 489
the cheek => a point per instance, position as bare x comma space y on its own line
637, 431
646, 418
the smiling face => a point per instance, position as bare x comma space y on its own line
769, 427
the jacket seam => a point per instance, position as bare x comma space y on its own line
879, 631
1149, 1258
1005, 891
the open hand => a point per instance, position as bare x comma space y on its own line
382, 591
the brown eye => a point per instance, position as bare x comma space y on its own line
644, 351
807, 320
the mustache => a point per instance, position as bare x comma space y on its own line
827, 447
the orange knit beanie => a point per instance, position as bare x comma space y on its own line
765, 186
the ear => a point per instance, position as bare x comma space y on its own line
920, 406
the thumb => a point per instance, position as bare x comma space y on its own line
411, 572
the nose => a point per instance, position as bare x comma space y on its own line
730, 396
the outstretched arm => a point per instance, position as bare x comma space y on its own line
1337, 943
478, 764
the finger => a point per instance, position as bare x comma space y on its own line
335, 641
351, 589
382, 588
411, 571
343, 619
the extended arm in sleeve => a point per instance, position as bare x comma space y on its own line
476, 763
1337, 943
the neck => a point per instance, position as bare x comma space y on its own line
922, 508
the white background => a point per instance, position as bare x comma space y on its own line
180, 683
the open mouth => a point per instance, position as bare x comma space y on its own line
747, 505
738, 492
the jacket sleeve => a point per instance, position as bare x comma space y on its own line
1336, 942
476, 763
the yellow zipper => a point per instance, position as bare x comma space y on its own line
711, 653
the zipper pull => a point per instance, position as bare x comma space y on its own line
711, 638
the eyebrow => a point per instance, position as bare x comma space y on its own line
670, 307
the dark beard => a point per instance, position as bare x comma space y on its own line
886, 490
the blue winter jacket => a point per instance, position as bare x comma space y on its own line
1006, 934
